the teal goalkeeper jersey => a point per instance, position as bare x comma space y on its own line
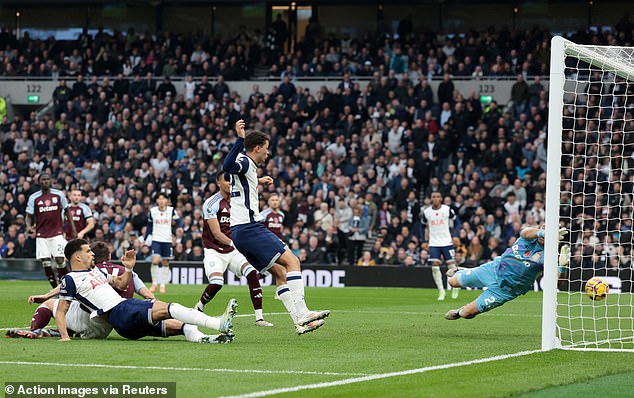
520, 265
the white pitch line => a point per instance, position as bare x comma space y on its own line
220, 370
266, 393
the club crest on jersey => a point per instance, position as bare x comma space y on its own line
54, 200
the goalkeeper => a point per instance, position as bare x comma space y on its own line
507, 276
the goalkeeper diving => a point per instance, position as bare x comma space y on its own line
507, 276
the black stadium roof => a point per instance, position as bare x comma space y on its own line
75, 3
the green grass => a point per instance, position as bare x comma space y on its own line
370, 331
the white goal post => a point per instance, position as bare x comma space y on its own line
589, 190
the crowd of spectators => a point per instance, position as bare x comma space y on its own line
479, 54
353, 165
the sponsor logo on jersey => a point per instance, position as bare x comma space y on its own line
44, 209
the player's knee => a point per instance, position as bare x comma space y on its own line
160, 310
60, 262
247, 269
290, 261
279, 273
217, 280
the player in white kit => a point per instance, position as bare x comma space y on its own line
78, 317
261, 247
438, 220
131, 318
220, 255
161, 220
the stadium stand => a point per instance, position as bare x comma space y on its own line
120, 133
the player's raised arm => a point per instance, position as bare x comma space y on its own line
230, 164
121, 281
532, 233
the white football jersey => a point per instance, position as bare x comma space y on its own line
91, 288
244, 192
162, 221
438, 222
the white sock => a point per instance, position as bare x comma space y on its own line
258, 314
435, 272
192, 333
165, 271
154, 271
296, 285
193, 317
284, 293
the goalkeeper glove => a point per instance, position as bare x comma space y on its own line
562, 234
564, 258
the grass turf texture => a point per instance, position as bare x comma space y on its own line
370, 331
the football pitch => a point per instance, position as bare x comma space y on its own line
378, 342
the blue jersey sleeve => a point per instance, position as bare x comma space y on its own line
231, 163
67, 290
150, 225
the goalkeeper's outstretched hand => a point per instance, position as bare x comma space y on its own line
562, 234
564, 257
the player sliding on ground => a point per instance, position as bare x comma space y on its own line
78, 320
507, 276
259, 245
131, 318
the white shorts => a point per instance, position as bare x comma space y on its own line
79, 321
45, 248
220, 262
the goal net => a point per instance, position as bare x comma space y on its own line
590, 176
